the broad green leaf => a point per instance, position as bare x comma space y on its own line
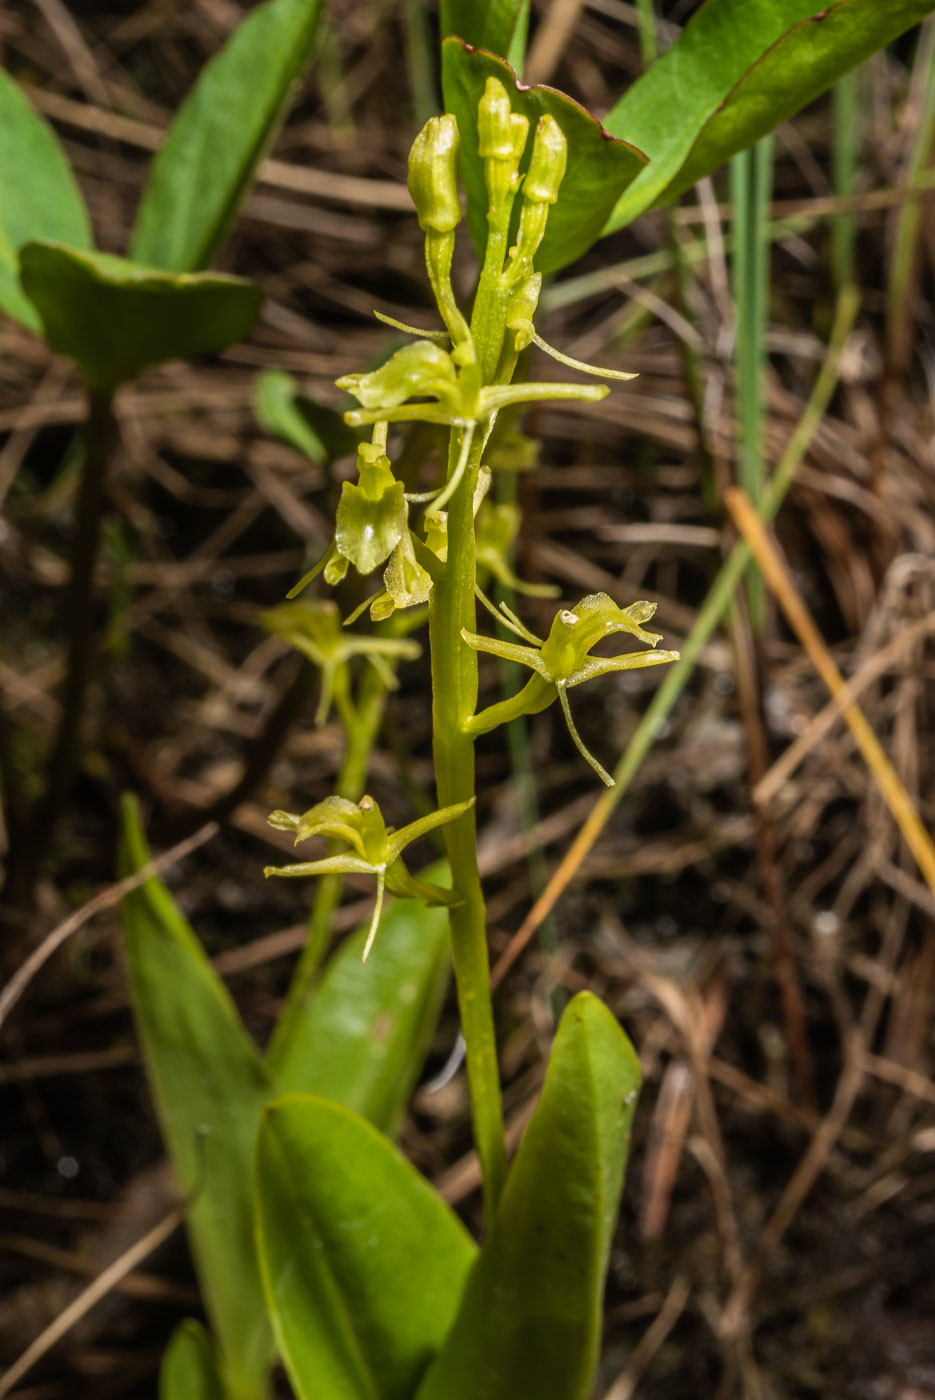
530, 1322
209, 1086
599, 167
113, 317
739, 68
363, 1037
222, 131
189, 1368
363, 1264
282, 411
38, 195
499, 26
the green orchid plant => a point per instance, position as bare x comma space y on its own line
314, 1239
559, 1197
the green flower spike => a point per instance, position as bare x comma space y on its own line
563, 660
314, 629
374, 849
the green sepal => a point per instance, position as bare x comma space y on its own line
422, 368
40, 196
114, 317
362, 1262
530, 1320
600, 167
368, 528
189, 1369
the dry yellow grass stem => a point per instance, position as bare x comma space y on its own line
884, 775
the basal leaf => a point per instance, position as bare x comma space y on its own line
284, 412
599, 167
530, 1321
739, 68
363, 1264
209, 1086
38, 195
113, 317
363, 1037
222, 131
189, 1367
500, 26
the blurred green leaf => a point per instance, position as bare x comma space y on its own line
320, 433
499, 26
362, 1261
599, 167
530, 1321
209, 1086
38, 195
113, 317
189, 1368
739, 68
224, 128
363, 1037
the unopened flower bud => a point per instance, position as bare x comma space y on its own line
501, 132
547, 163
433, 175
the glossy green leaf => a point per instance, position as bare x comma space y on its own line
282, 411
209, 1086
113, 317
530, 1322
38, 195
362, 1262
599, 167
222, 131
500, 26
189, 1368
739, 68
363, 1037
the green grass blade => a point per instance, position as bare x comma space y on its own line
751, 183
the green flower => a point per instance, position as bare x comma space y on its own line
563, 660
375, 850
314, 629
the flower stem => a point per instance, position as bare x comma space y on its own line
454, 695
